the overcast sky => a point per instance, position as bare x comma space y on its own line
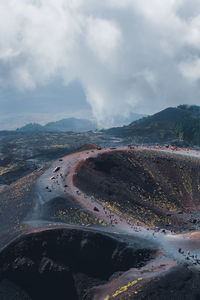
97, 58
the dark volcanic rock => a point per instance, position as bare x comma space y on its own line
182, 283
83, 284
10, 291
47, 265
96, 209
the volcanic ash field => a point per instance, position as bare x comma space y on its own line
114, 223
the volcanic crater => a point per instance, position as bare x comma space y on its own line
67, 263
112, 224
156, 189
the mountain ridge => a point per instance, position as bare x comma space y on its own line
64, 125
73, 124
179, 124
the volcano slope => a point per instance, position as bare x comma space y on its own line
156, 189
107, 224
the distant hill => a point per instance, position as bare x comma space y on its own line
71, 124
180, 125
65, 125
77, 125
32, 127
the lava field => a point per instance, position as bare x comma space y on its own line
114, 223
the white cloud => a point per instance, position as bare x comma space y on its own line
191, 69
126, 54
103, 38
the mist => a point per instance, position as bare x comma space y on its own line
131, 56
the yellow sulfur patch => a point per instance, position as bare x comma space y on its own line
125, 287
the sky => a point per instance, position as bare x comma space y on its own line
96, 59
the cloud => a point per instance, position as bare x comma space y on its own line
103, 37
191, 69
128, 55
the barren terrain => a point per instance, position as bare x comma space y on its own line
110, 223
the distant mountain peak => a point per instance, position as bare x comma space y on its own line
31, 127
64, 125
